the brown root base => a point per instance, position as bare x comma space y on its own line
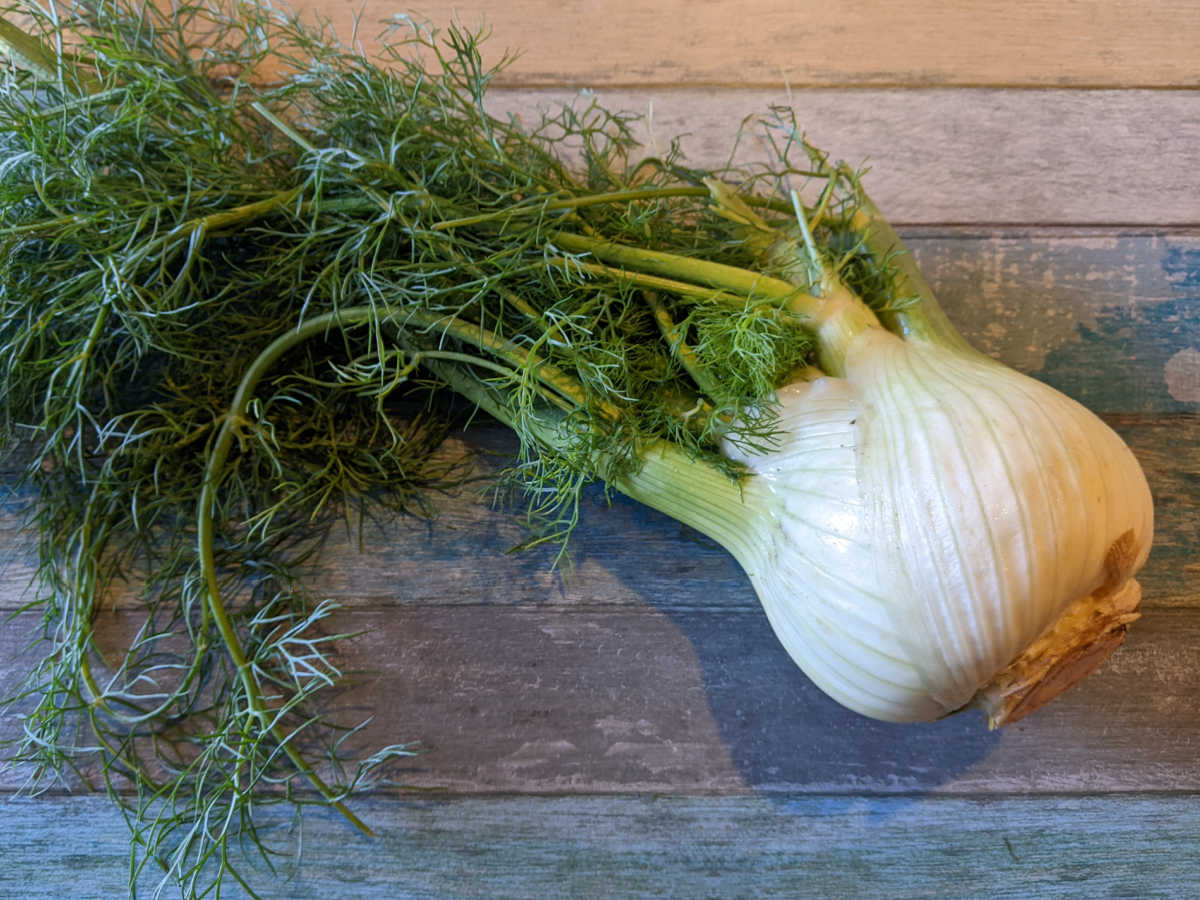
1067, 652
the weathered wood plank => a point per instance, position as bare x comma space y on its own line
938, 154
1009, 848
1112, 320
1031, 42
623, 553
672, 700
1172, 464
679, 700
950, 156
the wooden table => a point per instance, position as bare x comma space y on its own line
631, 727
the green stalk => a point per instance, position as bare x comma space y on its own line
667, 479
700, 496
752, 285
28, 52
841, 314
205, 523
654, 282
687, 357
923, 320
215, 221
835, 313
540, 205
547, 373
562, 384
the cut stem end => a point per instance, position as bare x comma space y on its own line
1073, 647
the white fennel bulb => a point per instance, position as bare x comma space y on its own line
931, 530
927, 516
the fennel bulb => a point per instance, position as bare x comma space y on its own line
931, 529
931, 514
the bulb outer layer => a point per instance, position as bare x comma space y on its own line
931, 515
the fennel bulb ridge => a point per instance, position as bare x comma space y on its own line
933, 516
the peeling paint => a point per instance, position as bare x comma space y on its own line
1182, 375
1099, 318
612, 727
537, 753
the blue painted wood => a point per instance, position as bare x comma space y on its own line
1110, 319
533, 700
920, 846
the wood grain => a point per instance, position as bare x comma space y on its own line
663, 699
981, 42
957, 156
898, 848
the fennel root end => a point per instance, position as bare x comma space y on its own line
1073, 647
